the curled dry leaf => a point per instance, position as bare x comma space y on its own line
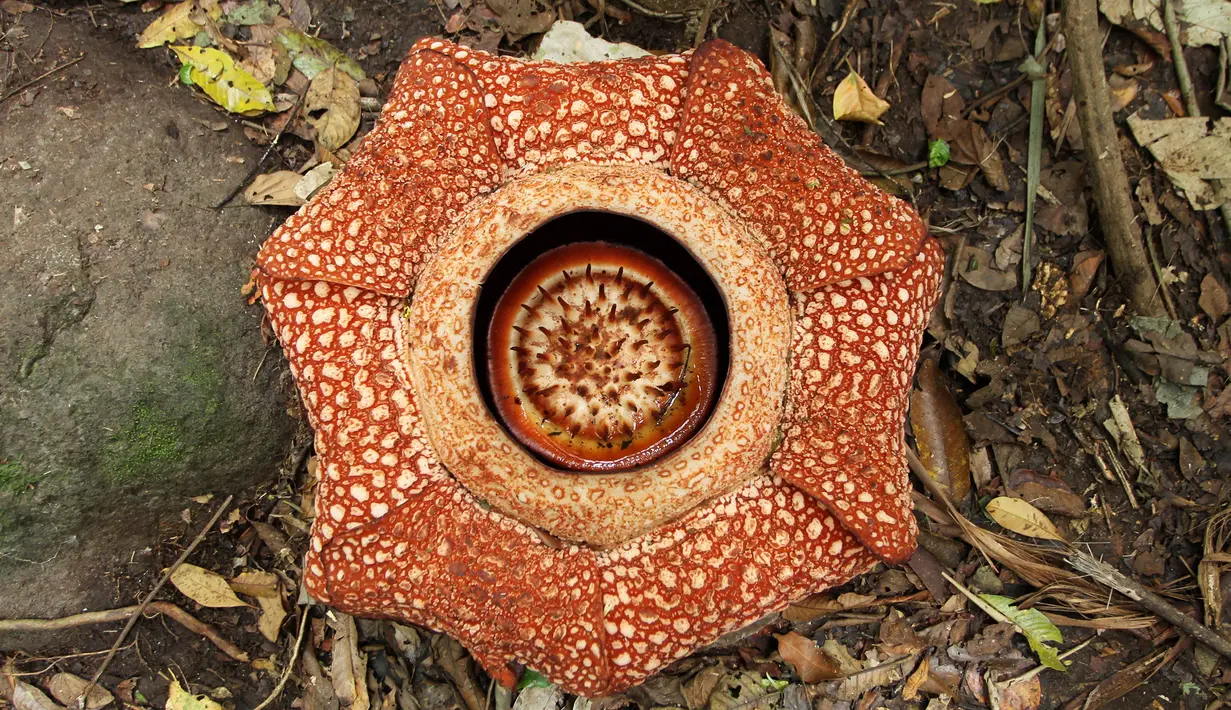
910, 689
940, 432
332, 104
1193, 153
204, 587
1022, 518
264, 586
28, 697
349, 667
66, 688
274, 189
854, 100
808, 660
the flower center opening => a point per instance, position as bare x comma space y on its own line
600, 356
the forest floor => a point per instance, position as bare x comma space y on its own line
1041, 379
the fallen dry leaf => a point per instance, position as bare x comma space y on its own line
265, 588
940, 432
1213, 299
523, 17
808, 660
349, 667
66, 688
1019, 324
180, 699
204, 587
1192, 153
274, 189
1022, 695
976, 267
1201, 22
333, 109
174, 24
1022, 518
854, 100
1123, 91
1085, 268
910, 689
28, 697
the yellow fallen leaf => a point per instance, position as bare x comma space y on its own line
1018, 516
853, 100
180, 699
204, 587
174, 24
224, 81
333, 105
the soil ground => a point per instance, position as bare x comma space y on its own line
1048, 356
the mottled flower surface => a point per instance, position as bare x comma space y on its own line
603, 360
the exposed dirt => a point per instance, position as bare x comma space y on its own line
1033, 369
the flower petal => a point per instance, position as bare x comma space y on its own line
429, 156
719, 568
547, 113
373, 454
480, 576
854, 352
821, 221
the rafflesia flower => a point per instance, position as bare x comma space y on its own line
604, 360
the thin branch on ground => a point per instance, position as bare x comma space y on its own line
1102, 153
108, 616
1108, 576
40, 77
290, 666
132, 620
1036, 68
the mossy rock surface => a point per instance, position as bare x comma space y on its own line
133, 374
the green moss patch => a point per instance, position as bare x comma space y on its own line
148, 443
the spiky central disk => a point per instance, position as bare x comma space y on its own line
601, 358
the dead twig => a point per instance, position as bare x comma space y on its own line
107, 616
831, 47
290, 666
703, 27
40, 77
1036, 69
1108, 576
132, 620
1110, 183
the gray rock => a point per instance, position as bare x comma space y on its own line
133, 374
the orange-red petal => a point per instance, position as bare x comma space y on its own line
854, 354
721, 567
547, 113
429, 156
821, 221
373, 455
444, 561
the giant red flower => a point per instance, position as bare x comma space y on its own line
604, 360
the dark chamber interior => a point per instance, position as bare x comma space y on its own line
590, 226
